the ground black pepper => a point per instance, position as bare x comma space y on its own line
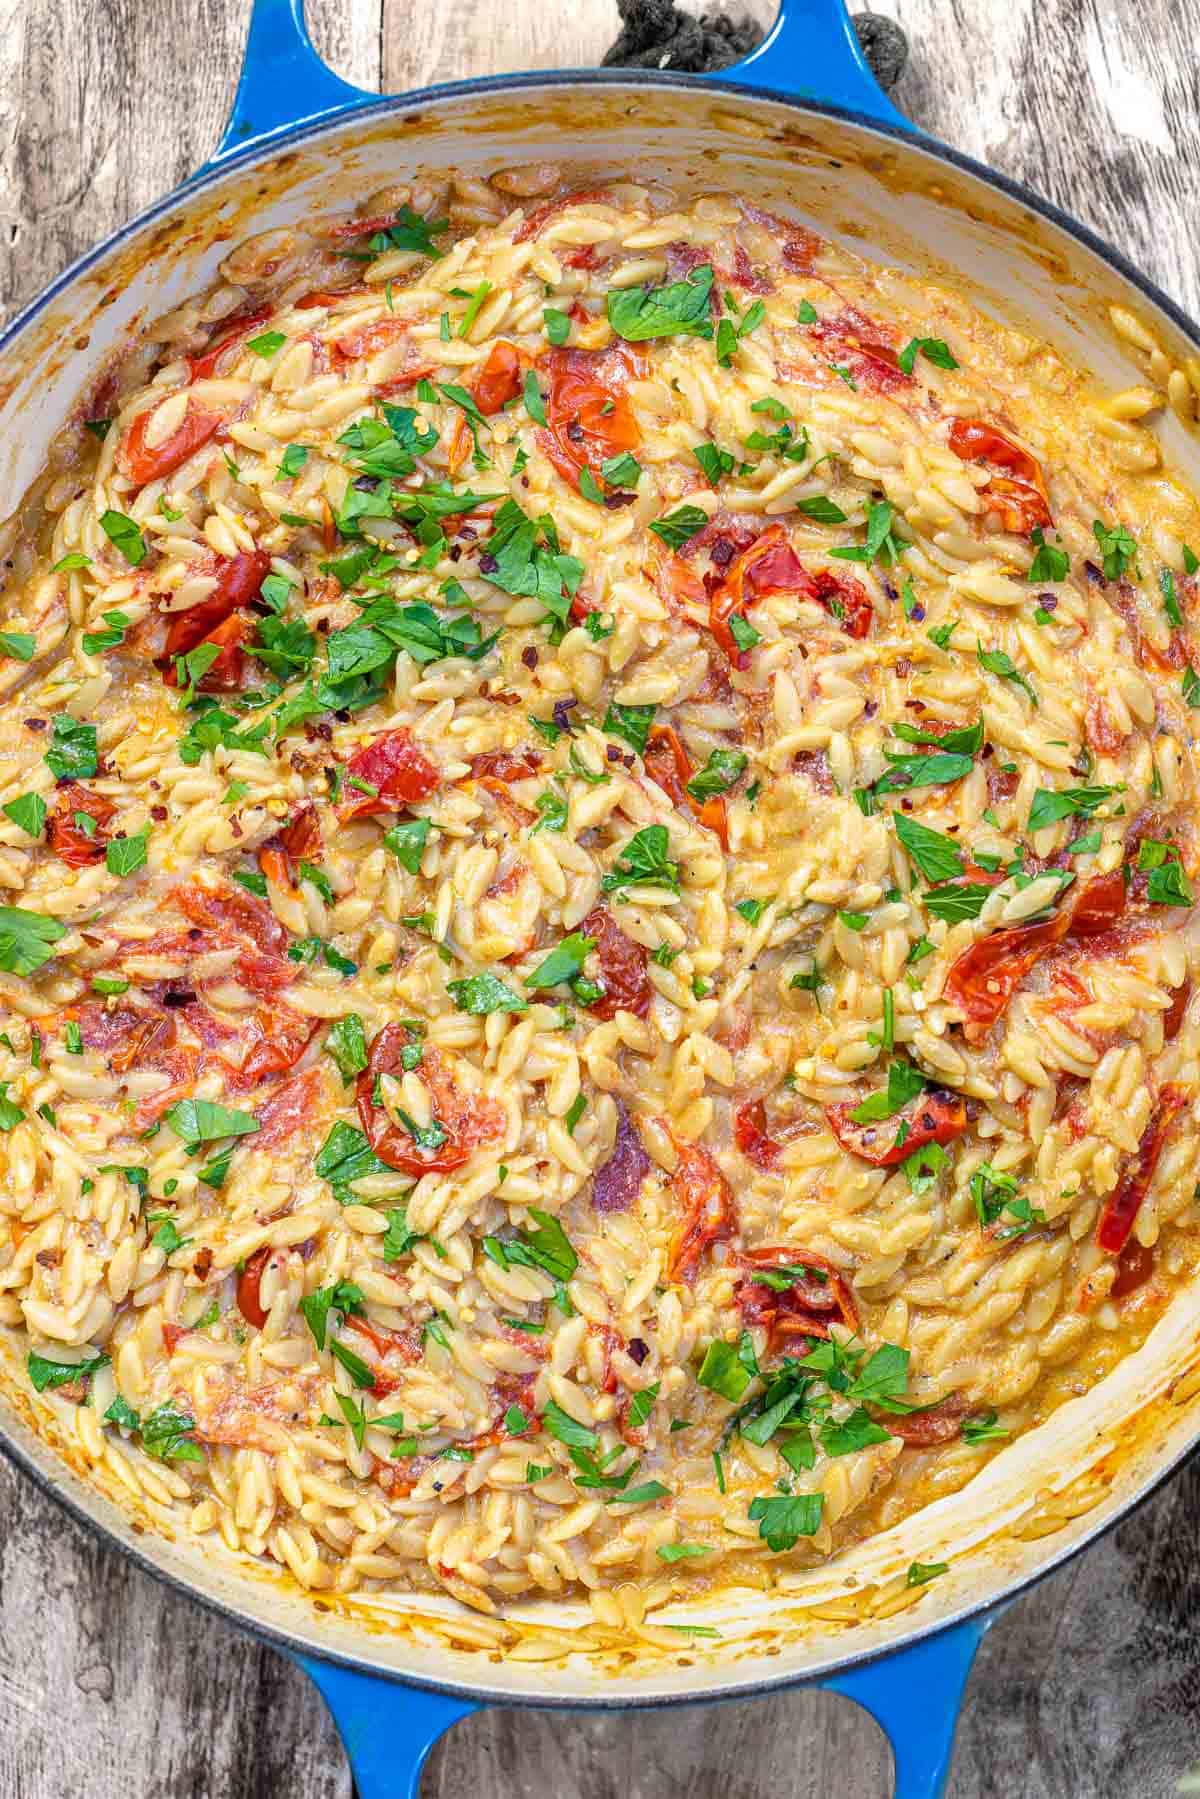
655, 34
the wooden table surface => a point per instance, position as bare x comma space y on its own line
111, 1687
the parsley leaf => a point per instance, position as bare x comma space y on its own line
952, 904
1169, 886
558, 324
904, 1084
563, 963
345, 1156
564, 1429
999, 662
199, 1121
783, 1521
316, 1307
165, 1434
72, 755
965, 740
124, 535
125, 855
722, 1371
345, 1041
45, 1373
407, 840
932, 348
718, 775
920, 1573
678, 527
522, 557
632, 723
28, 811
644, 862
27, 939
1048, 807
1117, 547
482, 994
936, 855
680, 308
1049, 563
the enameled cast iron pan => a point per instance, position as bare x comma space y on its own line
799, 125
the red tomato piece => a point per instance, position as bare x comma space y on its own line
387, 1344
291, 1108
505, 765
325, 296
346, 229
151, 1044
540, 217
938, 1423
392, 764
985, 977
806, 1307
852, 340
1135, 1265
226, 673
769, 565
249, 1298
467, 1119
1123, 1203
402, 382
101, 1026
499, 380
623, 966
934, 1117
1101, 730
1176, 1012
1100, 905
365, 340
143, 464
588, 415
1020, 493
750, 1135
299, 841
231, 913
801, 246
276, 1041
224, 918
151, 1110
205, 364
846, 600
709, 1213
668, 763
130, 1036
238, 581
69, 841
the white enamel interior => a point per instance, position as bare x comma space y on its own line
896, 200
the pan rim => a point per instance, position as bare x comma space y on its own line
312, 130
912, 138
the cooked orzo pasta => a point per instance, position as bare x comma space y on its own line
598, 814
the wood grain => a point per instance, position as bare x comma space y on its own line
113, 1688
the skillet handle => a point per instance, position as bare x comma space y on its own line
283, 81
914, 1695
387, 1729
812, 53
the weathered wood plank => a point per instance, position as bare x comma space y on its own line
112, 1687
